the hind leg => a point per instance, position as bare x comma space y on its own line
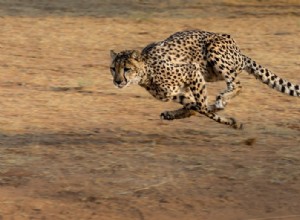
196, 101
232, 90
200, 105
194, 98
225, 58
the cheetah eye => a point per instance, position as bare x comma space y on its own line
113, 69
126, 69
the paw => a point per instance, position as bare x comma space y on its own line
213, 108
219, 105
167, 116
236, 125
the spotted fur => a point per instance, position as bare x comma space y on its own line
178, 68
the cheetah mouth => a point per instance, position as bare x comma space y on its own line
122, 84
127, 82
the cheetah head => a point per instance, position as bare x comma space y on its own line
126, 68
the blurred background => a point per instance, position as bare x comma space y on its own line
72, 146
149, 8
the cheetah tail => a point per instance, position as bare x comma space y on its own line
269, 78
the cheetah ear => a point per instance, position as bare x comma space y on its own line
113, 54
136, 55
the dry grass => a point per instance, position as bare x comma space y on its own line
74, 147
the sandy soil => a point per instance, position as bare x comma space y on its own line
74, 147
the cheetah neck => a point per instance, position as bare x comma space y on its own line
144, 75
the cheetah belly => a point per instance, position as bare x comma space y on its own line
211, 76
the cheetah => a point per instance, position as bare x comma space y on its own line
179, 67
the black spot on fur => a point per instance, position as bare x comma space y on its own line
280, 81
181, 98
272, 77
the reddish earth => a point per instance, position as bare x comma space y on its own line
74, 147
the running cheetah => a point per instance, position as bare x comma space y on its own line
178, 67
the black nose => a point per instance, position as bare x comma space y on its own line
118, 81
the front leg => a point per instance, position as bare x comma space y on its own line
166, 95
183, 98
177, 114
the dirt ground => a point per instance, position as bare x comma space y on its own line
72, 146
